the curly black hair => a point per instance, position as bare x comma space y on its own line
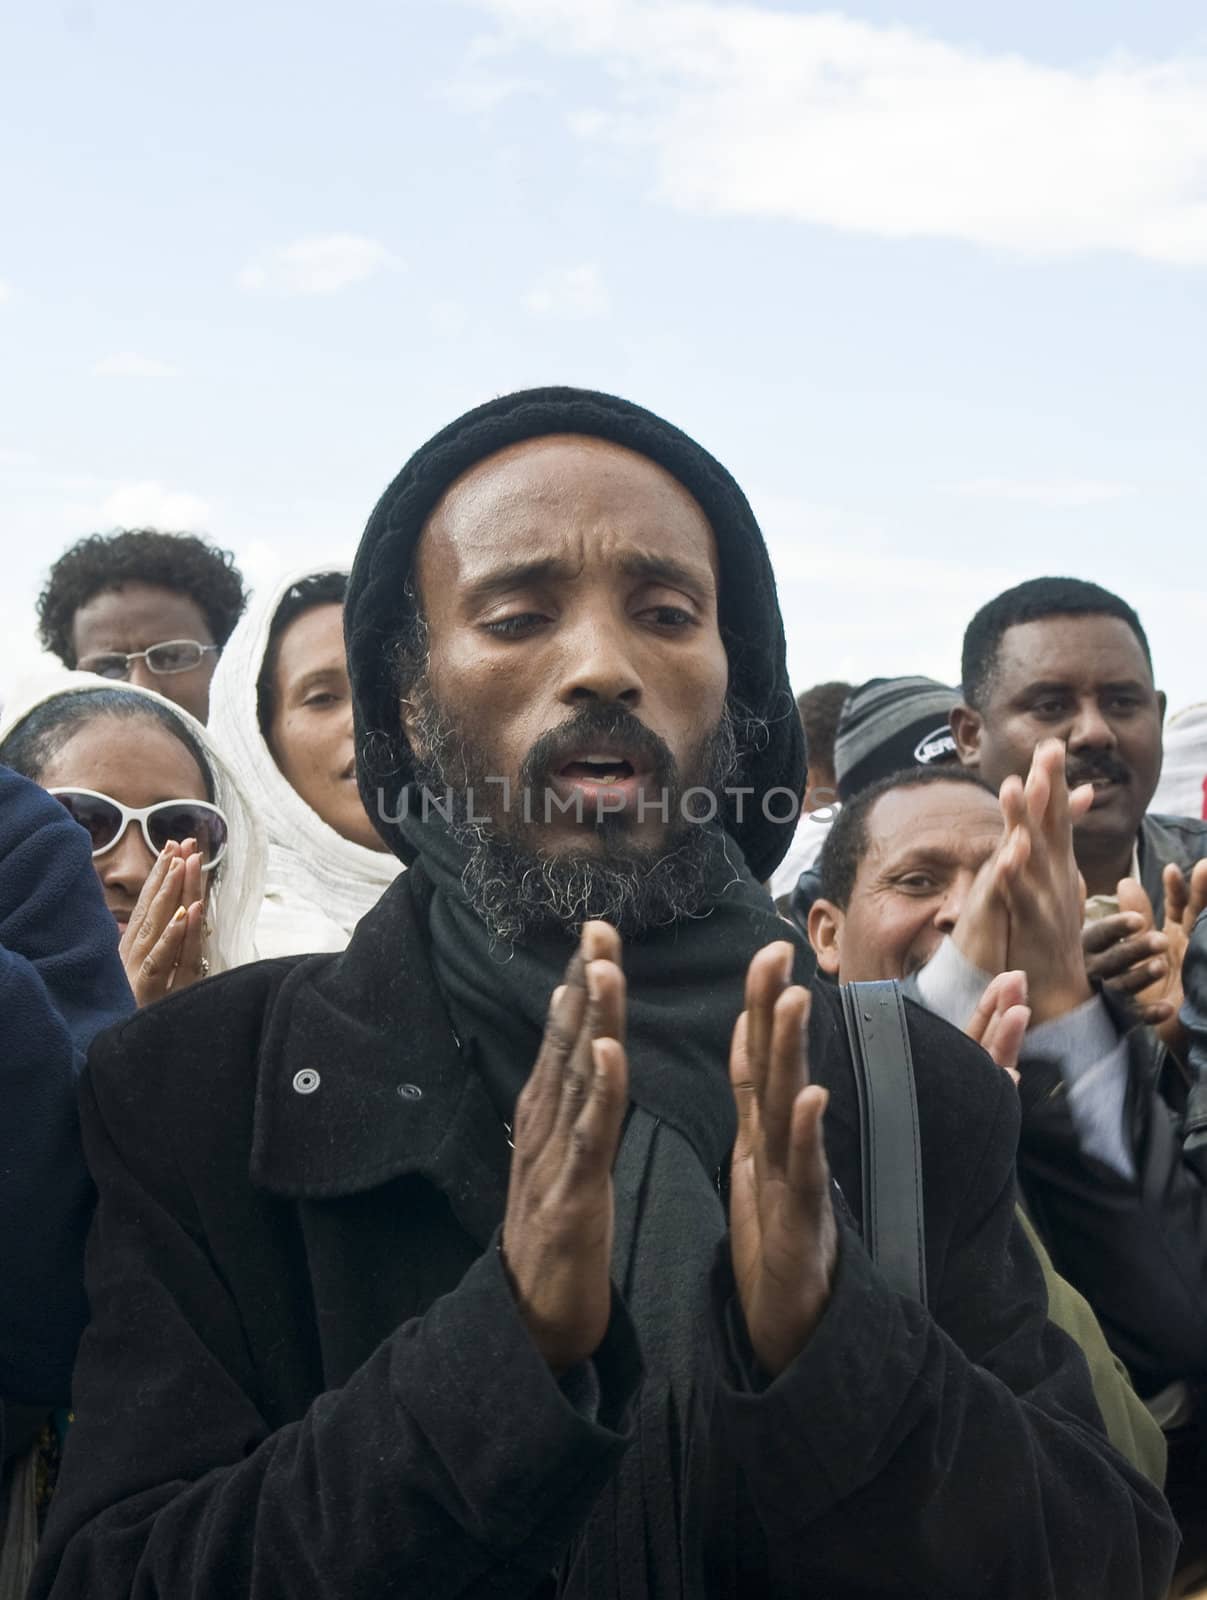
178, 561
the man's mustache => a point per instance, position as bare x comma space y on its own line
615, 723
1104, 765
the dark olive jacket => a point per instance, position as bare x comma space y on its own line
306, 1375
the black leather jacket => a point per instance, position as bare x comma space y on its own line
1137, 1251
1164, 839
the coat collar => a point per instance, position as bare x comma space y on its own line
360, 1079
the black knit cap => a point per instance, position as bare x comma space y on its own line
889, 724
377, 610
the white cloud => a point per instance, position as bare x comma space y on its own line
320, 265
150, 504
816, 117
5, 291
573, 293
130, 365
1059, 493
478, 87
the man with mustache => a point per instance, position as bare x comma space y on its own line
1066, 659
500, 1254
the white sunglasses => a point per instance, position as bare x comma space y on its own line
167, 822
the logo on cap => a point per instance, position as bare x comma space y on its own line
937, 745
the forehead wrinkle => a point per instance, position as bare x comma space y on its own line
566, 491
895, 833
956, 847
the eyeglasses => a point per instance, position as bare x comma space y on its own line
174, 655
170, 821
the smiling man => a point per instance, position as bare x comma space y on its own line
921, 881
500, 1254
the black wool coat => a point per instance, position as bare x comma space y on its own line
306, 1376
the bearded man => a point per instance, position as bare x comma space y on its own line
458, 1262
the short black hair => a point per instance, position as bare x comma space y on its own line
319, 589
181, 562
1031, 602
34, 742
820, 708
847, 841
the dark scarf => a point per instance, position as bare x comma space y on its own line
646, 1537
685, 988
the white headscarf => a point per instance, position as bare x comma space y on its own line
1182, 791
319, 884
237, 883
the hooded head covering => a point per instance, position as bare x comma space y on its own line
237, 883
318, 884
377, 608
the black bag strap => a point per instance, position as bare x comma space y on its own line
894, 1228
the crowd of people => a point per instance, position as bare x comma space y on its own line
437, 1148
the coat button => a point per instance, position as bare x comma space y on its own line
410, 1091
306, 1081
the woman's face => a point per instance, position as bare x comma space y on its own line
310, 734
136, 762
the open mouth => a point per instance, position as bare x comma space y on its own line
602, 769
1105, 788
602, 782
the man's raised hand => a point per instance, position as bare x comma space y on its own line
1001, 1019
783, 1236
557, 1231
1160, 1000
1125, 952
1044, 895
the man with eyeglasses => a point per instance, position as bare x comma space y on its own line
144, 607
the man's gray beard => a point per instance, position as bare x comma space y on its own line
517, 890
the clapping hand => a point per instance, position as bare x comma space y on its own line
783, 1236
1001, 1019
557, 1231
1160, 999
1043, 893
162, 948
1125, 952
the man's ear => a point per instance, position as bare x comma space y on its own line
825, 935
1161, 704
966, 726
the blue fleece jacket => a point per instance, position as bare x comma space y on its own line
60, 982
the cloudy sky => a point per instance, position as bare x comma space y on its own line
929, 276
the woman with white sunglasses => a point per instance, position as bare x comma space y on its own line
176, 848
